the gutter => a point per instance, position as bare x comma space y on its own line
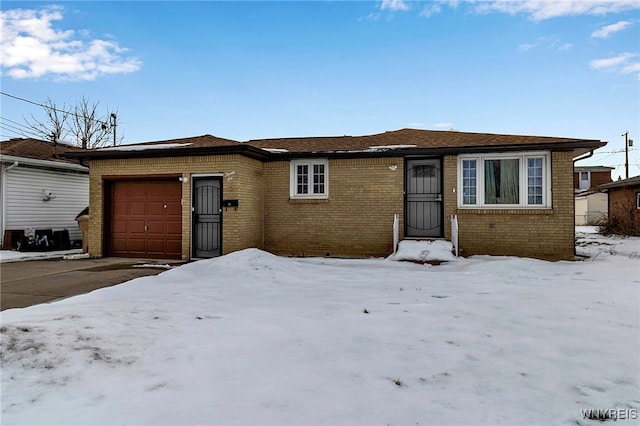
44, 163
583, 158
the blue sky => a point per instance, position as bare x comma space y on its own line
244, 70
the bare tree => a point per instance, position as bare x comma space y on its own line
90, 129
83, 122
54, 126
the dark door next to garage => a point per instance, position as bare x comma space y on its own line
207, 214
145, 218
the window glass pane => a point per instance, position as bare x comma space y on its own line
534, 181
318, 178
302, 179
502, 181
469, 182
424, 171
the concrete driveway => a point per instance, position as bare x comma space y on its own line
32, 282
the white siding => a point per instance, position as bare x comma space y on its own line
592, 208
24, 208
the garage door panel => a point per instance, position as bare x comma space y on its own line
137, 227
137, 208
174, 227
146, 218
119, 244
120, 209
156, 227
119, 228
174, 209
137, 244
174, 246
174, 191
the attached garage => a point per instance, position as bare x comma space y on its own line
144, 217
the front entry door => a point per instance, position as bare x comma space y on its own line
206, 217
423, 198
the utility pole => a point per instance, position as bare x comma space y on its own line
627, 143
113, 123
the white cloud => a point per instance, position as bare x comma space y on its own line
443, 125
612, 62
546, 42
607, 30
631, 68
526, 46
31, 47
540, 10
394, 5
537, 10
430, 10
623, 63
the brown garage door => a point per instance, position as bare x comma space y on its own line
145, 218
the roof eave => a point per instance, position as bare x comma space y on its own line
246, 150
578, 150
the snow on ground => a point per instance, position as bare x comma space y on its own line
18, 256
424, 251
591, 244
252, 338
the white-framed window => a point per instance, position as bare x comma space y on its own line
585, 180
309, 178
506, 180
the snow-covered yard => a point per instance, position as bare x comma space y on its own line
251, 338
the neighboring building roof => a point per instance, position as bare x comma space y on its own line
41, 154
195, 145
399, 142
632, 181
190, 142
38, 149
592, 169
409, 139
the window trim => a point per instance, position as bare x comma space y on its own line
522, 156
293, 179
587, 180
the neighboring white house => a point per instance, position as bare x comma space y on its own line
591, 204
591, 207
39, 188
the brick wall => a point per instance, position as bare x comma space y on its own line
622, 204
356, 220
241, 180
595, 179
598, 178
540, 233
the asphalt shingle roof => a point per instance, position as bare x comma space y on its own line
38, 149
407, 138
409, 141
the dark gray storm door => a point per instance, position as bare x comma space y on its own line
206, 233
423, 198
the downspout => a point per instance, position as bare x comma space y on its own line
584, 158
4, 197
575, 253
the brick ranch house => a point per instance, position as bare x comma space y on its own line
205, 196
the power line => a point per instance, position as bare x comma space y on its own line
20, 131
53, 108
19, 127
